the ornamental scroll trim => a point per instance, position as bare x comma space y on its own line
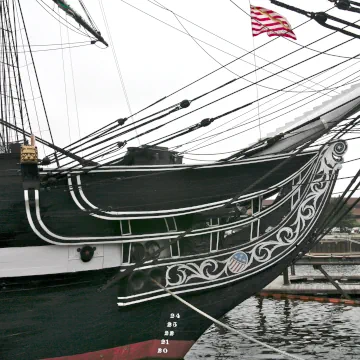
330, 160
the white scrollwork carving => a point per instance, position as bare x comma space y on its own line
209, 269
329, 162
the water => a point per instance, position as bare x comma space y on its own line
310, 330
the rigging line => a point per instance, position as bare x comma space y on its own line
289, 131
30, 84
191, 83
220, 63
246, 122
69, 43
321, 18
222, 66
117, 63
349, 139
103, 131
122, 132
251, 147
225, 66
2, 66
351, 160
65, 87
18, 91
114, 129
185, 131
59, 48
3, 102
91, 20
210, 32
301, 62
19, 76
75, 29
340, 192
200, 137
319, 53
269, 94
36, 75
247, 52
250, 103
21, 94
219, 323
178, 133
256, 79
235, 150
234, 56
286, 38
6, 43
243, 131
11, 86
204, 76
74, 88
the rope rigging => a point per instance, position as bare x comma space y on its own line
65, 85
183, 104
56, 17
182, 132
36, 76
321, 18
162, 99
203, 123
284, 88
117, 63
206, 122
247, 121
352, 6
264, 97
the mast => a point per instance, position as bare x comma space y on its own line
71, 12
13, 107
19, 112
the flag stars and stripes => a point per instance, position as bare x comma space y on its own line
270, 22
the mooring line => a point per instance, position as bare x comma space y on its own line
250, 338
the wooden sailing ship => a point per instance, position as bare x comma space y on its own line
80, 246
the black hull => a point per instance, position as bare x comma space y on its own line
71, 317
66, 315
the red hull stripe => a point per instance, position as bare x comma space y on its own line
176, 349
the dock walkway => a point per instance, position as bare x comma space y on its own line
314, 285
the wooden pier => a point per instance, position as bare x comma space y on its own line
315, 285
341, 249
330, 259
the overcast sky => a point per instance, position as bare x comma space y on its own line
156, 60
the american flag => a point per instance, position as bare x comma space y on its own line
237, 262
270, 22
